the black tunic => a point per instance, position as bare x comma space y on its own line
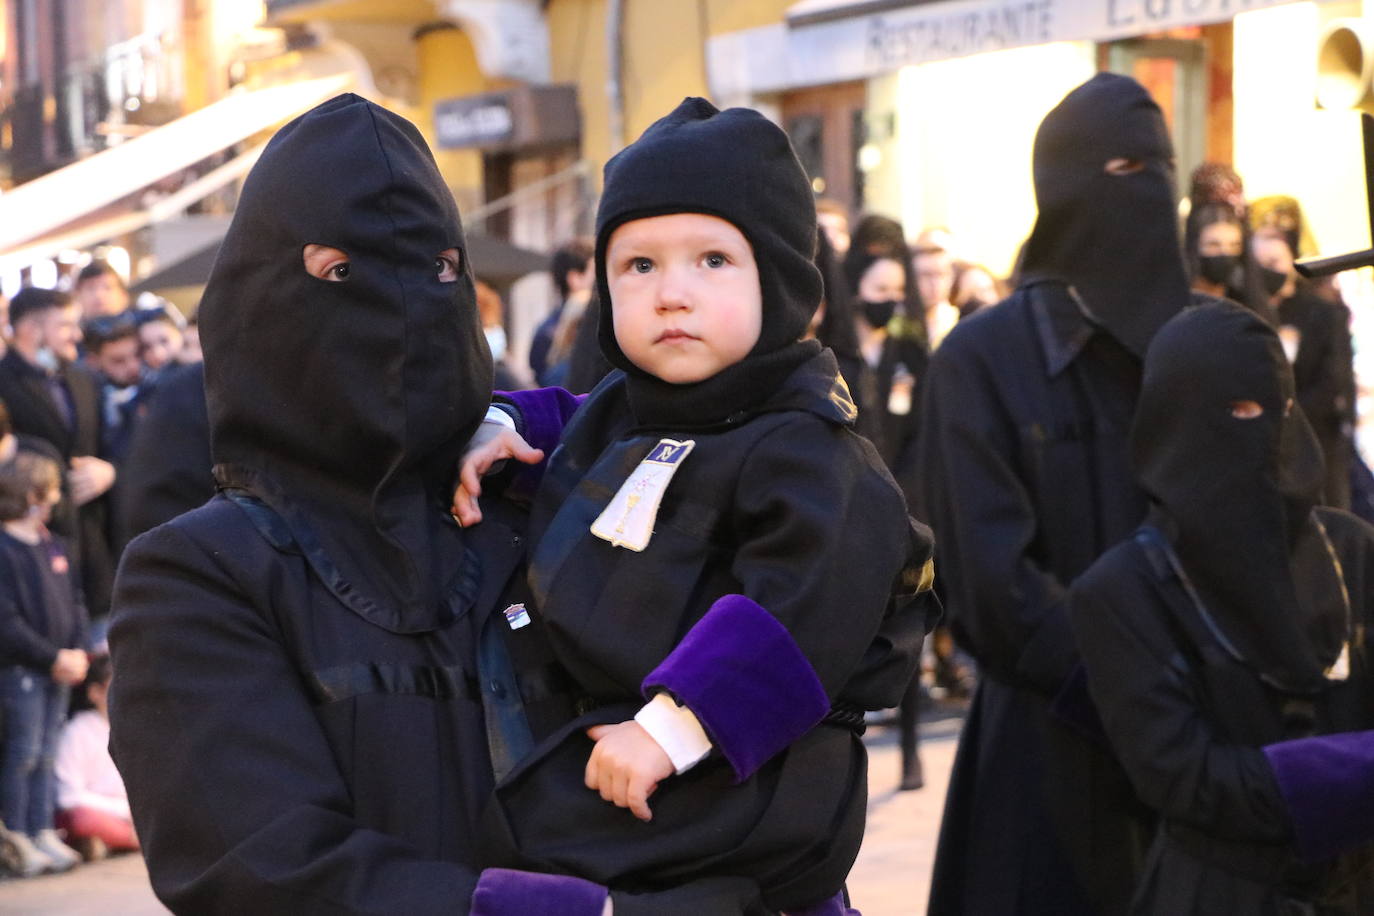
1025, 478
1188, 721
789, 508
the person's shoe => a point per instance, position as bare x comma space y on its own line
64, 858
913, 776
91, 848
21, 857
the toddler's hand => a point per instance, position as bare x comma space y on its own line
492, 443
626, 766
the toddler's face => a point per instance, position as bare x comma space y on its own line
685, 295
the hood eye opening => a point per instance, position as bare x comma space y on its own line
448, 265
1247, 410
324, 262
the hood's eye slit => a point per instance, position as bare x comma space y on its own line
448, 265
324, 262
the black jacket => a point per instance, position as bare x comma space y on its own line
40, 604
32, 411
1188, 720
787, 507
1025, 477
1324, 372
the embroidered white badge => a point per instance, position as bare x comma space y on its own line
628, 520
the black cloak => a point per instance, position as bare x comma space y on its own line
1233, 622
1024, 474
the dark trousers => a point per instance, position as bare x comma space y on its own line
34, 707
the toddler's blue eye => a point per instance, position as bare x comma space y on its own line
641, 265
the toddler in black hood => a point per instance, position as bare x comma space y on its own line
723, 565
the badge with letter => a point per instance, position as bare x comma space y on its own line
628, 521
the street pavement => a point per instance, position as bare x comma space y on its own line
891, 878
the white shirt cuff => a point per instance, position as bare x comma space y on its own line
676, 730
497, 415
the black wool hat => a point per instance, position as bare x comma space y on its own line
739, 166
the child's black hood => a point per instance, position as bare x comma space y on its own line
345, 406
739, 166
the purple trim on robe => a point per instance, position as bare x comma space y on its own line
743, 676
505, 892
543, 414
835, 906
1327, 784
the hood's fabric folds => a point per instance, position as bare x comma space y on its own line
345, 405
1237, 495
1113, 238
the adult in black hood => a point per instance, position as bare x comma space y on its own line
1226, 642
1104, 183
1024, 474
316, 686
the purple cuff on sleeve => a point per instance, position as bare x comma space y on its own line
747, 682
543, 414
505, 892
1327, 784
835, 906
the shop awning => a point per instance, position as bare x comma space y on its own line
48, 206
831, 41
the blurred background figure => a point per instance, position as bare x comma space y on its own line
975, 287
100, 291
573, 278
114, 350
161, 339
933, 264
834, 222
493, 312
92, 805
1315, 333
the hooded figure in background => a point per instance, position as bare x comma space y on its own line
1226, 641
311, 703
1024, 474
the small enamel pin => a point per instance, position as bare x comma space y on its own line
517, 616
628, 521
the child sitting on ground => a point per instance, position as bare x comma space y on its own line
42, 654
92, 805
711, 535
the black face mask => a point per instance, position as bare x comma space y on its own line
1114, 238
346, 405
1218, 268
1236, 495
878, 314
1272, 280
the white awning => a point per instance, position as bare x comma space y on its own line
39, 208
831, 41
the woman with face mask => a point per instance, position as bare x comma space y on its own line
1226, 645
1216, 245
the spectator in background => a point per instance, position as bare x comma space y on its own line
190, 343
51, 397
113, 348
975, 287
1216, 247
573, 279
1316, 338
1217, 183
100, 291
42, 655
934, 268
834, 222
493, 312
161, 339
92, 805
4, 324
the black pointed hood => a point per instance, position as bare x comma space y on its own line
1114, 238
1236, 495
738, 166
345, 405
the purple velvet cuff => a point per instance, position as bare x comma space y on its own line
835, 906
1327, 783
504, 892
747, 682
543, 414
